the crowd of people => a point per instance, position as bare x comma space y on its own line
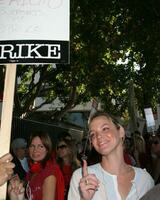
117, 167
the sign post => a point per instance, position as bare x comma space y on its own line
30, 32
6, 121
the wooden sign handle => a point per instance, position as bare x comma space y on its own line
6, 120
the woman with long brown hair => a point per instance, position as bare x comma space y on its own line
44, 180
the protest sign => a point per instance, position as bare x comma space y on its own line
149, 119
31, 31
34, 31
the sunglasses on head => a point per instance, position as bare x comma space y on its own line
62, 146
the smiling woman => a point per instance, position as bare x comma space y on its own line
112, 178
44, 179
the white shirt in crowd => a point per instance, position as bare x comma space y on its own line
108, 188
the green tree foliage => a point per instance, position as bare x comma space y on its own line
110, 30
46, 81
111, 42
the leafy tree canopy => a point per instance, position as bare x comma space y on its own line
112, 42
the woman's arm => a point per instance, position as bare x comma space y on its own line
49, 188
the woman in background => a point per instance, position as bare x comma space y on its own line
155, 148
44, 180
67, 160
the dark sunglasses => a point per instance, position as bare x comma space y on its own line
155, 142
62, 146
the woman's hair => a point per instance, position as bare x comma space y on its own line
73, 154
46, 141
140, 144
108, 116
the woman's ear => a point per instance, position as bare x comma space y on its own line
122, 132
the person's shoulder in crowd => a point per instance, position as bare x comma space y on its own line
153, 194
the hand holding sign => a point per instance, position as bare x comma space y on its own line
88, 183
6, 168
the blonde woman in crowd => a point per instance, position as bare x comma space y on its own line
112, 178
